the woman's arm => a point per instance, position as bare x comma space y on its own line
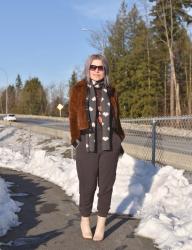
75, 133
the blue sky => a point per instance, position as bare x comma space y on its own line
43, 38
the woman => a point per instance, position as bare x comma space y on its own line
96, 134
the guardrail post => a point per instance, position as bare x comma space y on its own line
154, 135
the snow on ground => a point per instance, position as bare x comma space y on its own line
160, 197
8, 209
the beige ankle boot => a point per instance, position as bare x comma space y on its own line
85, 228
100, 229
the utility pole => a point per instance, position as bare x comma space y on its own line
6, 94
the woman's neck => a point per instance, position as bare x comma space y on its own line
97, 84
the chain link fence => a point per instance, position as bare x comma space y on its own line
163, 140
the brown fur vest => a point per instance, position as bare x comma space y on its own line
77, 113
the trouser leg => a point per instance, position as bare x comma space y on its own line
87, 170
107, 173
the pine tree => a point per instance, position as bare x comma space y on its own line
18, 89
73, 79
130, 61
34, 99
116, 51
18, 83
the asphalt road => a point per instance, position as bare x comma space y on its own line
166, 142
45, 123
50, 220
170, 143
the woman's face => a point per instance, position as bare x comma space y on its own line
96, 70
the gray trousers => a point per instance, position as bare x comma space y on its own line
96, 169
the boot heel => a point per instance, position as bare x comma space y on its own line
85, 228
100, 229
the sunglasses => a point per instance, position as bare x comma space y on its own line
94, 67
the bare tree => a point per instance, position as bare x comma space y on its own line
165, 17
146, 10
98, 38
56, 94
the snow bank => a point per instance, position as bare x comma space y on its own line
8, 209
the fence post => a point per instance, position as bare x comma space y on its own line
154, 123
72, 152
